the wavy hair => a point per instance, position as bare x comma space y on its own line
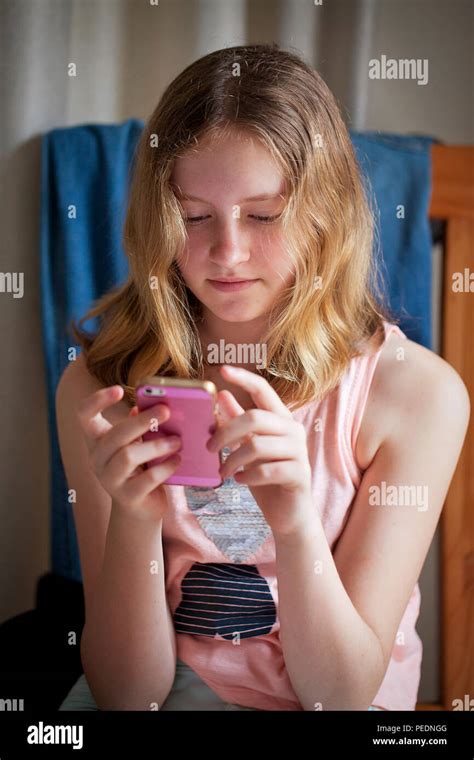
335, 305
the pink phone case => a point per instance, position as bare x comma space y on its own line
193, 418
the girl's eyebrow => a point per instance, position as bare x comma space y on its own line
263, 197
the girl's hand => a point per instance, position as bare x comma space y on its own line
272, 450
118, 452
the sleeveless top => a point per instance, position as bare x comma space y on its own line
219, 556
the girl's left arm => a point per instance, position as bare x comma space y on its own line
339, 614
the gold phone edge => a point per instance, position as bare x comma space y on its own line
176, 382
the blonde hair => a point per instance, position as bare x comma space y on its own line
320, 324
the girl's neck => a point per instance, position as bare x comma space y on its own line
214, 330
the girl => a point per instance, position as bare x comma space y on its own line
293, 586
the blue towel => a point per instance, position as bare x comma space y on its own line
85, 176
84, 171
399, 170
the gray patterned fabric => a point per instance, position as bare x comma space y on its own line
230, 517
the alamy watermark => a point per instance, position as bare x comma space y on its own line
404, 68
463, 282
12, 282
12, 705
48, 734
237, 353
463, 704
387, 495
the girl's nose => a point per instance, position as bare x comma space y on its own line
231, 246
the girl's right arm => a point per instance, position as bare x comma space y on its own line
128, 645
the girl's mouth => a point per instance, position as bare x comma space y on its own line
231, 286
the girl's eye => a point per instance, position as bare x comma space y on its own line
193, 219
263, 219
267, 219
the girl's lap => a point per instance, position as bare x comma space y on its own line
189, 692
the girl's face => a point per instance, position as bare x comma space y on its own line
230, 236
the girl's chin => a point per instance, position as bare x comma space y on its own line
237, 315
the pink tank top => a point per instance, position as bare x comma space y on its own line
220, 565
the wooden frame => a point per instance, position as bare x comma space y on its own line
452, 199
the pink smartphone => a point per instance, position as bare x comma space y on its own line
193, 407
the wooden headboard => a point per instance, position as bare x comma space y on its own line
452, 200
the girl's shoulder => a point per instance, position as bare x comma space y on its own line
404, 370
